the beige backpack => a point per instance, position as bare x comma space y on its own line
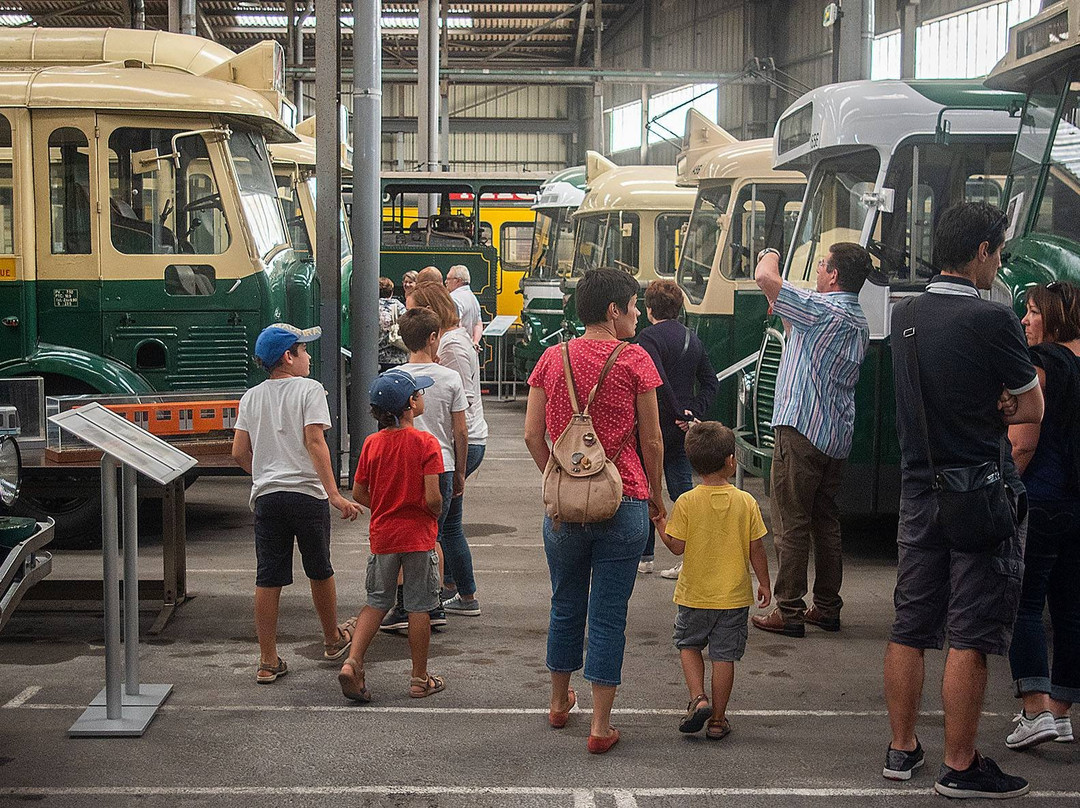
581, 483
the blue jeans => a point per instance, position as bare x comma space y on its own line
1052, 569
605, 553
458, 567
679, 478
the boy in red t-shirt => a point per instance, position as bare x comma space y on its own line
398, 479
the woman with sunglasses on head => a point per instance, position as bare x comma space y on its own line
1048, 457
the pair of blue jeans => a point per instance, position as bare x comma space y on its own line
458, 568
593, 568
679, 478
1051, 573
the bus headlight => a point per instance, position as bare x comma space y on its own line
746, 388
527, 329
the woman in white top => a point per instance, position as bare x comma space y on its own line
457, 353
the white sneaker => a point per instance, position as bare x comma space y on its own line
1064, 729
673, 572
1032, 731
645, 567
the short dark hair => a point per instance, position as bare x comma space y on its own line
708, 446
664, 298
1059, 304
293, 349
852, 264
601, 287
415, 327
962, 228
386, 287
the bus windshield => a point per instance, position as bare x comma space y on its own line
606, 240
835, 209
258, 191
1048, 145
343, 225
702, 237
553, 244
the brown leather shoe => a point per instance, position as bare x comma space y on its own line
774, 622
814, 617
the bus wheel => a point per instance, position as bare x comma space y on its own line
77, 516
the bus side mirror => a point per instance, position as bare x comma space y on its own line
883, 199
146, 161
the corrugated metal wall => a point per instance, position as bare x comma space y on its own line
885, 11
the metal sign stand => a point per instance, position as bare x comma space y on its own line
497, 328
114, 713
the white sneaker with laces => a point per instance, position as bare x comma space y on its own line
1064, 729
1032, 731
673, 572
645, 567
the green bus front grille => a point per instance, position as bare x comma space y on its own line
212, 356
768, 367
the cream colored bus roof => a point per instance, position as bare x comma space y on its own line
302, 153
636, 188
115, 87
749, 158
80, 46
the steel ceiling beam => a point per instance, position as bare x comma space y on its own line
558, 76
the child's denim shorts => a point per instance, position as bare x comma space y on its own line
723, 630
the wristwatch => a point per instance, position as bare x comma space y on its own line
768, 250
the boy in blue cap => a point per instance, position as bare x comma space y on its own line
397, 477
279, 441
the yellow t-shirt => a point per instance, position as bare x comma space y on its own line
717, 522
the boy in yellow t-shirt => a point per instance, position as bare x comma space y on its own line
717, 529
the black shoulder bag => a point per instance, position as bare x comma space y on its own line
975, 511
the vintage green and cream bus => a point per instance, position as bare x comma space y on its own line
1043, 62
883, 159
551, 260
743, 205
632, 218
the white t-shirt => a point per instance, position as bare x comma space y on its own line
457, 353
274, 414
443, 398
468, 308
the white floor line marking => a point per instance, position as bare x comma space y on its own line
351, 708
23, 697
582, 798
624, 799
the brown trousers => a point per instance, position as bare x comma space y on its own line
804, 484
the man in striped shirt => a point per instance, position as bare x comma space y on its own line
813, 421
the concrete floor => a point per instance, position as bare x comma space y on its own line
808, 715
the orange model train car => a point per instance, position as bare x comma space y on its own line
181, 417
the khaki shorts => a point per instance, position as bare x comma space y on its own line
723, 630
419, 575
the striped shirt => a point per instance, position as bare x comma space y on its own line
815, 386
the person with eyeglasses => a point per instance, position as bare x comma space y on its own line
1047, 456
962, 376
813, 421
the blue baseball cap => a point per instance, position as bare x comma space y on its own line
276, 339
393, 388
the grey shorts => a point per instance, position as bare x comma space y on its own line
723, 630
970, 597
419, 575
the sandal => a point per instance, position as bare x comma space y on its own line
558, 718
427, 685
718, 728
697, 713
335, 651
269, 673
352, 683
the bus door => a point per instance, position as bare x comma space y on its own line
173, 306
17, 321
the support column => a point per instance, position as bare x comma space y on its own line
366, 218
328, 211
174, 16
138, 14
187, 17
853, 41
598, 86
427, 87
908, 26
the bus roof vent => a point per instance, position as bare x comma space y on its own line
595, 165
701, 137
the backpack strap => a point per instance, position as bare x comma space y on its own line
569, 378
614, 355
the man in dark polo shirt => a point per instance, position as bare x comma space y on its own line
976, 379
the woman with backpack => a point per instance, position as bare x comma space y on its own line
1048, 457
391, 349
593, 395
